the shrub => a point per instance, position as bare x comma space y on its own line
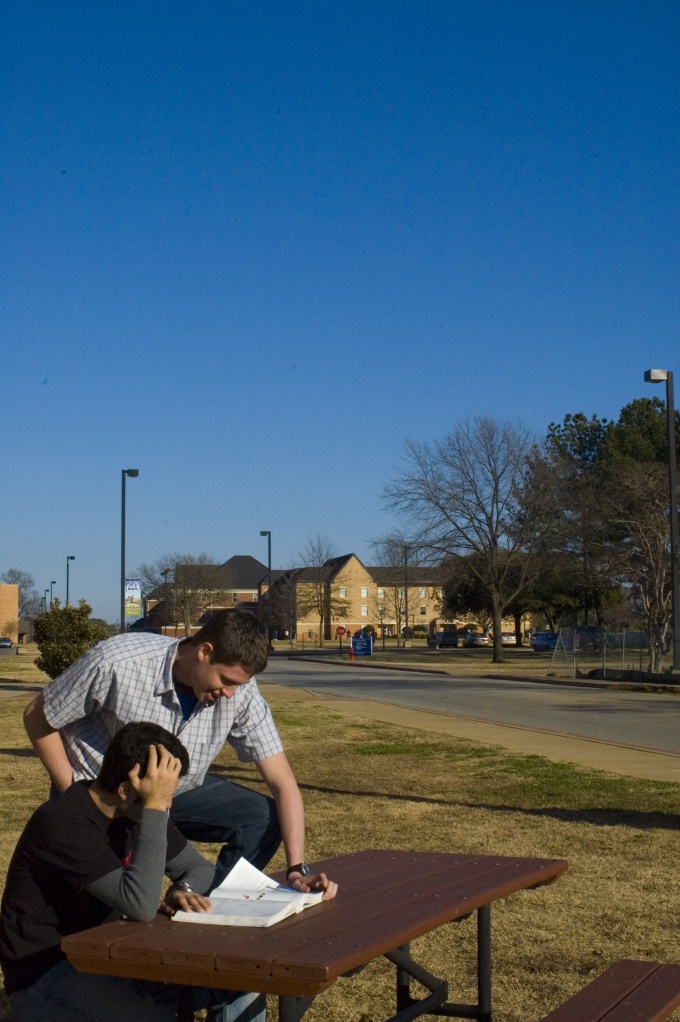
63, 635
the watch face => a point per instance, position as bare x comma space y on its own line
304, 869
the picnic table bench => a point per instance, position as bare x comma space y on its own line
629, 991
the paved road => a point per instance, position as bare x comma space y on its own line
636, 719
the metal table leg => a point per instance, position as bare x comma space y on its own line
185, 1004
484, 963
291, 1009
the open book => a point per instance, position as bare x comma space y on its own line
246, 897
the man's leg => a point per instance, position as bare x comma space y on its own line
68, 996
64, 995
244, 821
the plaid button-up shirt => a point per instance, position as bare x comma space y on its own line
129, 678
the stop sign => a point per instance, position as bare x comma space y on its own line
340, 630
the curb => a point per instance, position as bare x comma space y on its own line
623, 686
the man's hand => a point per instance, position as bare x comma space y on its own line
186, 901
315, 882
156, 788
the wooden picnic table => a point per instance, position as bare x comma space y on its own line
386, 899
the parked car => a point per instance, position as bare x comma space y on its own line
443, 640
544, 642
6, 642
476, 639
508, 639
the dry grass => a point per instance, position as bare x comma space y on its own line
376, 785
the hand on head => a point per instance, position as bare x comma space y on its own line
156, 788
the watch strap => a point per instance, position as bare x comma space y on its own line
301, 867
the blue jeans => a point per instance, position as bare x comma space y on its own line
245, 822
64, 995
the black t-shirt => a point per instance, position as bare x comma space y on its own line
66, 844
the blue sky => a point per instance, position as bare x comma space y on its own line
249, 246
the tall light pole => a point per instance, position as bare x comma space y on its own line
264, 532
45, 599
133, 473
658, 376
406, 552
52, 583
71, 557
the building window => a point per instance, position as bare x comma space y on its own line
234, 597
423, 611
423, 594
381, 594
254, 597
364, 592
342, 591
364, 611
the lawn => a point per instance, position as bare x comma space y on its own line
369, 784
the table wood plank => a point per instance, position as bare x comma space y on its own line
596, 1000
363, 929
652, 1001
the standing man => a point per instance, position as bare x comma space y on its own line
203, 690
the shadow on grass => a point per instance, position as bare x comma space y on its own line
18, 752
597, 816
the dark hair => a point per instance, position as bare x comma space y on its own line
237, 637
130, 746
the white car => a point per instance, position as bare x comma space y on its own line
476, 639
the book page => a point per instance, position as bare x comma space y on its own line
245, 876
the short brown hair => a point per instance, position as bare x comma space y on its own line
237, 637
130, 745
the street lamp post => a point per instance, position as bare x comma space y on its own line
264, 532
133, 473
406, 553
52, 583
71, 557
45, 599
659, 376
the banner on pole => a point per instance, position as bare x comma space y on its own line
133, 597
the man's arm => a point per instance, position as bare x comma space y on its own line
134, 890
48, 744
281, 781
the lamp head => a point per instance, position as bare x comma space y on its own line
132, 472
71, 557
263, 532
656, 376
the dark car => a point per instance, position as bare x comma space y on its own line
443, 640
6, 642
544, 642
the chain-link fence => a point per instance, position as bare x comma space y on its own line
579, 652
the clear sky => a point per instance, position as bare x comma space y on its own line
248, 246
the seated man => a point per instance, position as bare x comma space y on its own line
202, 689
96, 852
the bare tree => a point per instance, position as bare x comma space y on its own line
317, 593
479, 490
395, 552
29, 600
284, 602
188, 584
639, 504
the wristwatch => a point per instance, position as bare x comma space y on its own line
301, 867
181, 885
